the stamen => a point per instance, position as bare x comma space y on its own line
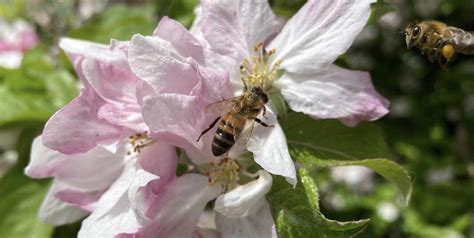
225, 172
258, 72
138, 142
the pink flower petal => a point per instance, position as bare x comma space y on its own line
179, 119
123, 208
176, 119
270, 149
239, 201
92, 171
115, 83
319, 33
181, 39
114, 213
180, 208
333, 92
259, 223
156, 160
56, 212
235, 27
126, 115
76, 128
81, 199
159, 159
80, 179
158, 63
43, 160
78, 50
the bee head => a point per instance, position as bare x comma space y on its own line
257, 94
413, 34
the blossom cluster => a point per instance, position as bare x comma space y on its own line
15, 38
124, 153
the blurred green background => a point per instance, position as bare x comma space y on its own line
430, 129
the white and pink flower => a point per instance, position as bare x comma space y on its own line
15, 38
112, 152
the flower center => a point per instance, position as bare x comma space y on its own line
138, 142
226, 172
256, 71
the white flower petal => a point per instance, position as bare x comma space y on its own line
43, 160
259, 223
137, 193
320, 32
95, 170
11, 60
333, 92
114, 214
270, 149
158, 63
181, 39
56, 212
239, 202
235, 27
76, 128
180, 207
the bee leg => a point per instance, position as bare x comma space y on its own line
263, 123
209, 128
264, 112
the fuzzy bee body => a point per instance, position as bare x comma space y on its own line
238, 112
230, 127
439, 41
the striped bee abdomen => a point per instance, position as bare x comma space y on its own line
229, 128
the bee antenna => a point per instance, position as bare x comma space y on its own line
397, 32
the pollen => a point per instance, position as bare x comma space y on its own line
448, 51
139, 141
225, 172
255, 70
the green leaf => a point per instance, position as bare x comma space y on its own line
296, 211
379, 9
21, 199
327, 143
118, 22
35, 91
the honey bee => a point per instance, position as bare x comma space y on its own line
439, 41
238, 112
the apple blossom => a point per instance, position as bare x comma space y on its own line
15, 38
111, 150
295, 60
96, 147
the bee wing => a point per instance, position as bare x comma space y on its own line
221, 107
244, 136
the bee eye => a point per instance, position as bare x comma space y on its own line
416, 32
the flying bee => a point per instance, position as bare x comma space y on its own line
438, 41
238, 111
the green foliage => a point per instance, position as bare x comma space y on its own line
21, 198
180, 10
379, 9
117, 22
327, 143
296, 211
35, 91
10, 9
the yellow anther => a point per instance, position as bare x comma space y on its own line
225, 172
138, 142
271, 52
259, 73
